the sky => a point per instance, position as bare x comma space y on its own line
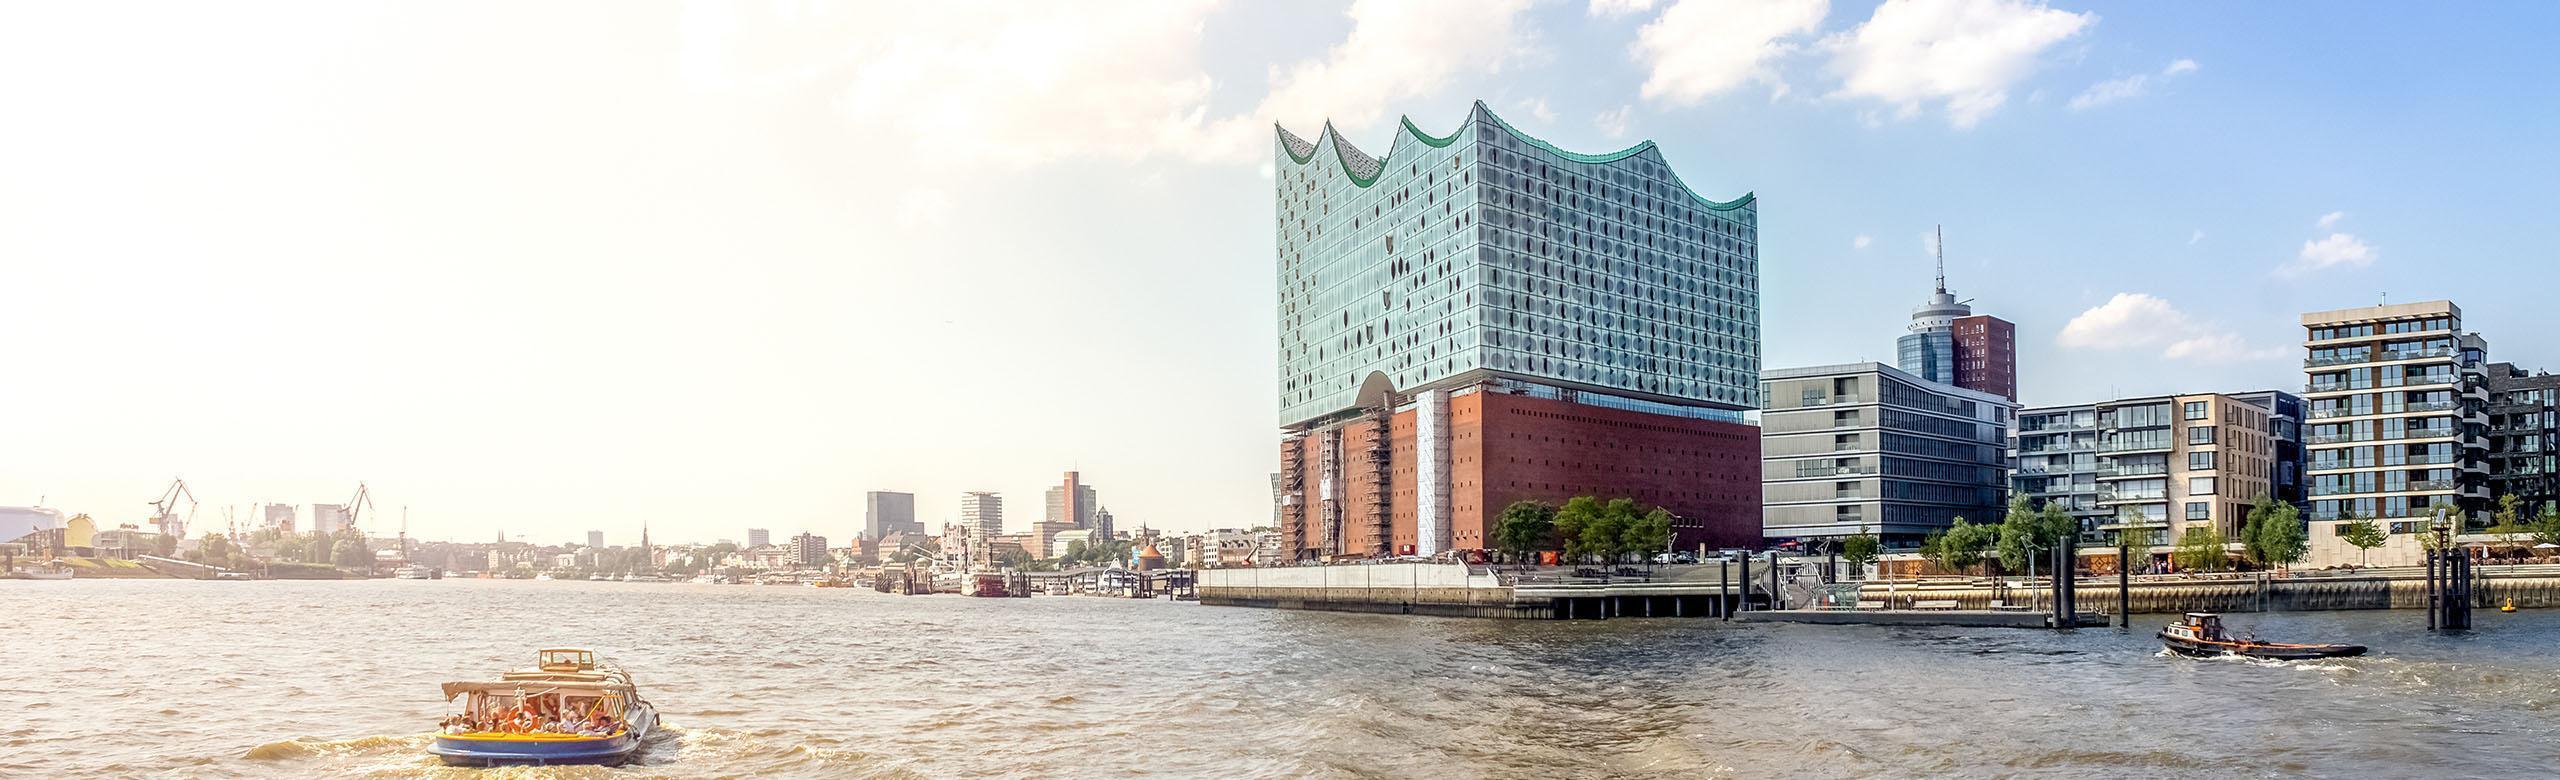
538, 268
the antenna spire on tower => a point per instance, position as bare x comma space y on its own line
1941, 245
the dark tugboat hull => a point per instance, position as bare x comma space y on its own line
2272, 652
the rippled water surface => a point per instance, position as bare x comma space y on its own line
331, 679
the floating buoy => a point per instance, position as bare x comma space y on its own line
2509, 605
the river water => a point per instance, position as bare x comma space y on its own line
119, 679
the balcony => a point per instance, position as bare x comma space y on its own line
1829, 401
2415, 354
2334, 438
2133, 471
2115, 497
2137, 445
1835, 471
2425, 485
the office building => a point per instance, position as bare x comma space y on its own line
2158, 463
1950, 345
1102, 524
1866, 448
809, 550
982, 510
595, 539
1481, 318
2397, 406
280, 517
887, 512
758, 537
330, 519
2521, 455
1072, 502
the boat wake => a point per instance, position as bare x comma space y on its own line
2308, 665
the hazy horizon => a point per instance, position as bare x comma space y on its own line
549, 268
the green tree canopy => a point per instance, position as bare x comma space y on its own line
1860, 550
352, 552
2273, 533
1649, 533
1961, 546
1573, 520
2364, 534
2201, 549
1525, 528
2546, 525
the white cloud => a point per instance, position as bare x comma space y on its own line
1027, 86
2339, 249
1861, 241
1536, 107
968, 83
2131, 321
2197, 238
1613, 123
1699, 48
1397, 51
2105, 92
1962, 54
2330, 220
1610, 8
2129, 87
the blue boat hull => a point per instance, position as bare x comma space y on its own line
464, 751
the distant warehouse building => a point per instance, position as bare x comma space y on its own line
1865, 447
1482, 318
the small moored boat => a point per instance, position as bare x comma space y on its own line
2200, 634
567, 709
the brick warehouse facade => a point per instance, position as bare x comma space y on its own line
1505, 447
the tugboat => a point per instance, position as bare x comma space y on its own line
567, 709
2200, 635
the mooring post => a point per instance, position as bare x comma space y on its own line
2431, 589
1774, 601
1743, 602
2124, 584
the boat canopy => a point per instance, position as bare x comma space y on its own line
453, 689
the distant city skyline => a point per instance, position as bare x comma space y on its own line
671, 286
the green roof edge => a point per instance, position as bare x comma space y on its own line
1405, 123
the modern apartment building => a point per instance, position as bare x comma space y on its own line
2163, 463
1481, 318
2523, 458
982, 510
1864, 447
595, 539
2398, 403
758, 537
887, 512
1949, 344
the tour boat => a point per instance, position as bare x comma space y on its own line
504, 722
2200, 635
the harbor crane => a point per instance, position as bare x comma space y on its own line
357, 505
164, 511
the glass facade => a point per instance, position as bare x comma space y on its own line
1490, 253
2397, 403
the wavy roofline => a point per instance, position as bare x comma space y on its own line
1405, 126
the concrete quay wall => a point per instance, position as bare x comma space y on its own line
2276, 595
1394, 588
